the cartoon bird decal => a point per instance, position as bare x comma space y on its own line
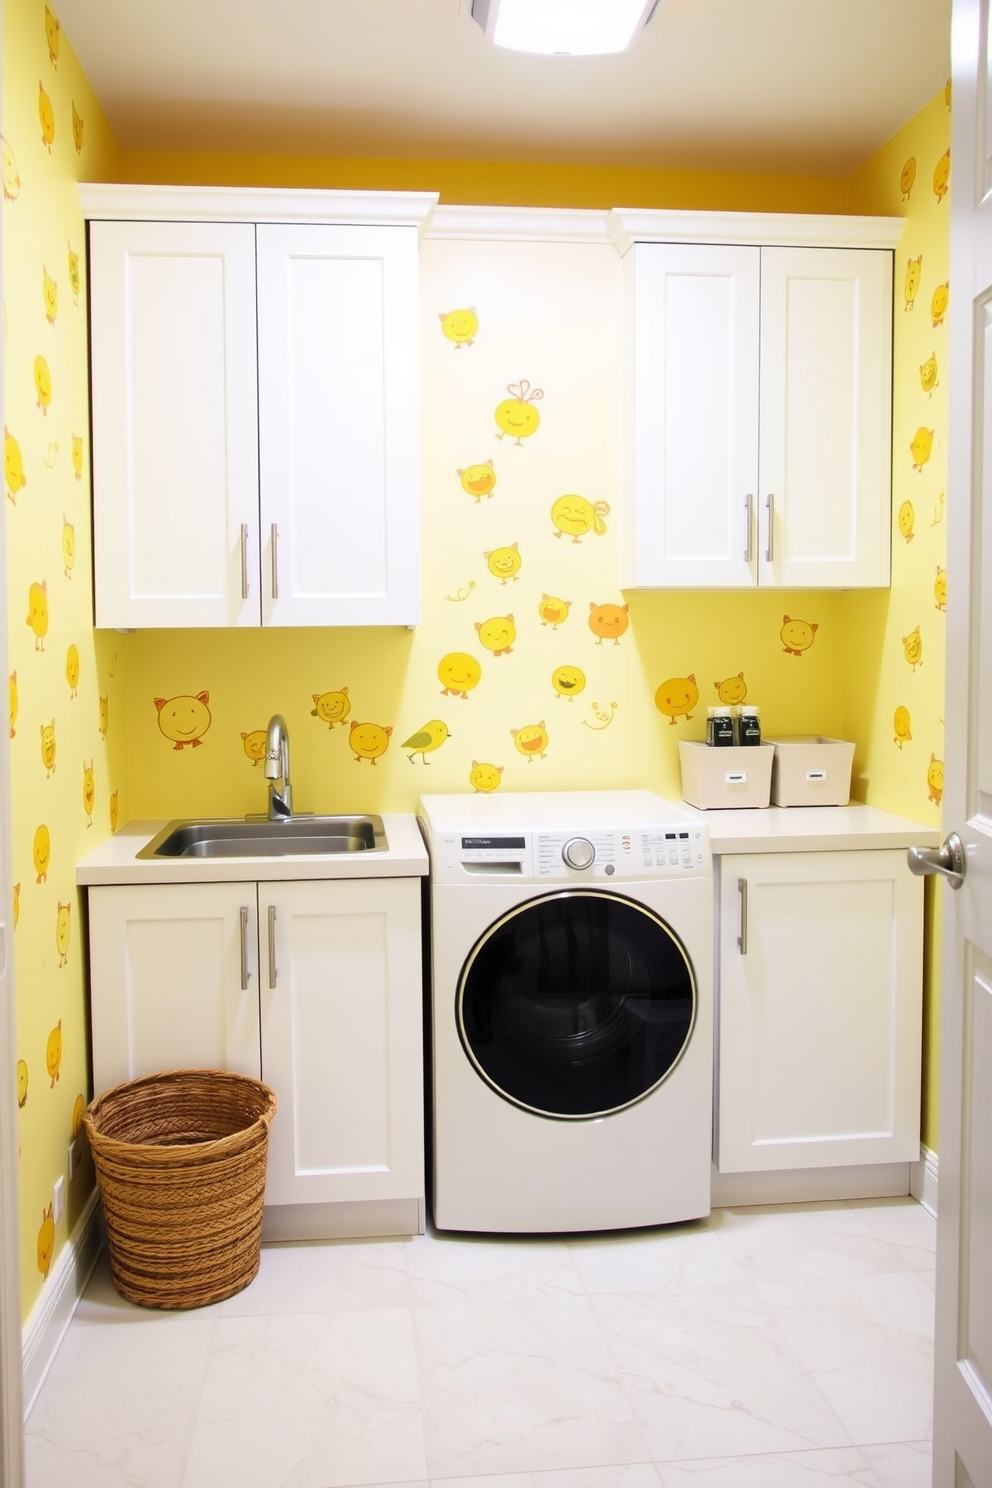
553, 611
22, 1082
42, 853
458, 674
929, 377
912, 648
72, 669
73, 263
940, 589
17, 904
113, 812
68, 547
9, 171
78, 1107
935, 780
77, 131
797, 635
13, 465
517, 415
531, 741
62, 942
676, 697
331, 707
732, 690
53, 1051
46, 116
184, 718
77, 457
369, 741
905, 518
568, 681
37, 616
104, 723
907, 176
42, 384
942, 175
50, 294
48, 748
921, 445
575, 516
52, 35
426, 739
938, 303
254, 745
89, 791
460, 326
608, 621
901, 726
914, 268
504, 563
46, 1241
12, 696
497, 634
478, 480
484, 778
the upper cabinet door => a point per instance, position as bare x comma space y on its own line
339, 460
175, 445
691, 467
826, 398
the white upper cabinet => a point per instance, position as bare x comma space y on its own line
758, 407
255, 407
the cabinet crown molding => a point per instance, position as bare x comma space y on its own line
131, 203
630, 225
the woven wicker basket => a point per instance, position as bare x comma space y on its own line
180, 1161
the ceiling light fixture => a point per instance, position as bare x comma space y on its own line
563, 28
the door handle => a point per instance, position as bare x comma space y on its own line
770, 509
742, 938
748, 522
272, 946
948, 860
274, 551
244, 948
244, 560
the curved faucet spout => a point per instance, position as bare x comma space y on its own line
277, 768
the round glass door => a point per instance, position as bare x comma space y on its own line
576, 1004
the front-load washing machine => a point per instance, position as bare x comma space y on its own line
572, 1011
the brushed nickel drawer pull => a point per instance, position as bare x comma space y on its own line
748, 522
742, 938
244, 560
244, 948
770, 508
274, 546
272, 945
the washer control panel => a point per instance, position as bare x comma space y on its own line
601, 855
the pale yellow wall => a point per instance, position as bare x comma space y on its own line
42, 227
899, 761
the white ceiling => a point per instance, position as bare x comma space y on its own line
811, 86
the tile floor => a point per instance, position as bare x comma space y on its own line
783, 1347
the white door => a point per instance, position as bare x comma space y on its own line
963, 1340
820, 996
339, 420
691, 463
825, 442
174, 976
342, 1039
175, 442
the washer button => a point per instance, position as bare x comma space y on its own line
579, 853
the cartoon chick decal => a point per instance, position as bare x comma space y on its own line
184, 719
460, 326
517, 415
62, 937
73, 262
42, 853
935, 780
941, 175
77, 131
907, 176
369, 741
104, 723
484, 777
50, 294
478, 480
732, 690
48, 748
568, 681
89, 791
575, 516
13, 465
553, 611
53, 1052
608, 621
42, 384
920, 446
940, 589
113, 812
426, 739
254, 745
905, 518
37, 616
46, 1241
8, 168
22, 1082
797, 635
46, 116
458, 673
914, 268
532, 741
938, 303
331, 707
504, 563
497, 634
676, 697
912, 648
68, 547
901, 726
52, 35
929, 377
12, 699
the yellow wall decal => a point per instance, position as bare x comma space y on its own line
484, 777
497, 634
942, 175
568, 681
517, 415
677, 697
608, 621
184, 719
458, 674
460, 326
797, 635
369, 740
478, 480
331, 707
914, 270
574, 516
553, 611
532, 740
428, 738
732, 690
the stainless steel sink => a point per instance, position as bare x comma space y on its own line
250, 837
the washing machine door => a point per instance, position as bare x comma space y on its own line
576, 1004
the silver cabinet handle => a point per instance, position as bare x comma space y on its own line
244, 560
948, 860
272, 945
748, 520
274, 548
770, 509
244, 948
742, 938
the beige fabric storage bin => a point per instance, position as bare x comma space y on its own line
811, 770
715, 778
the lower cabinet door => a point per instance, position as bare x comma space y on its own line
820, 999
174, 979
341, 1014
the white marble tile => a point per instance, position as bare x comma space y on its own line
709, 1374
839, 1467
867, 1341
638, 1261
326, 1277
118, 1405
901, 1464
466, 1268
521, 1387
904, 1224
313, 1401
804, 1241
637, 1475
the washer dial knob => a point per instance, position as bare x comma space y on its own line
579, 852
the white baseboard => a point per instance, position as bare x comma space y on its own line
50, 1317
809, 1185
923, 1179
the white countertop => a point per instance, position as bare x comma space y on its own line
115, 861
811, 828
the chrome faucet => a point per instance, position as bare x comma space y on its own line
277, 768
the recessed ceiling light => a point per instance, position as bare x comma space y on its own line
570, 28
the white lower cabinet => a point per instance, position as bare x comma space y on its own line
314, 986
820, 972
